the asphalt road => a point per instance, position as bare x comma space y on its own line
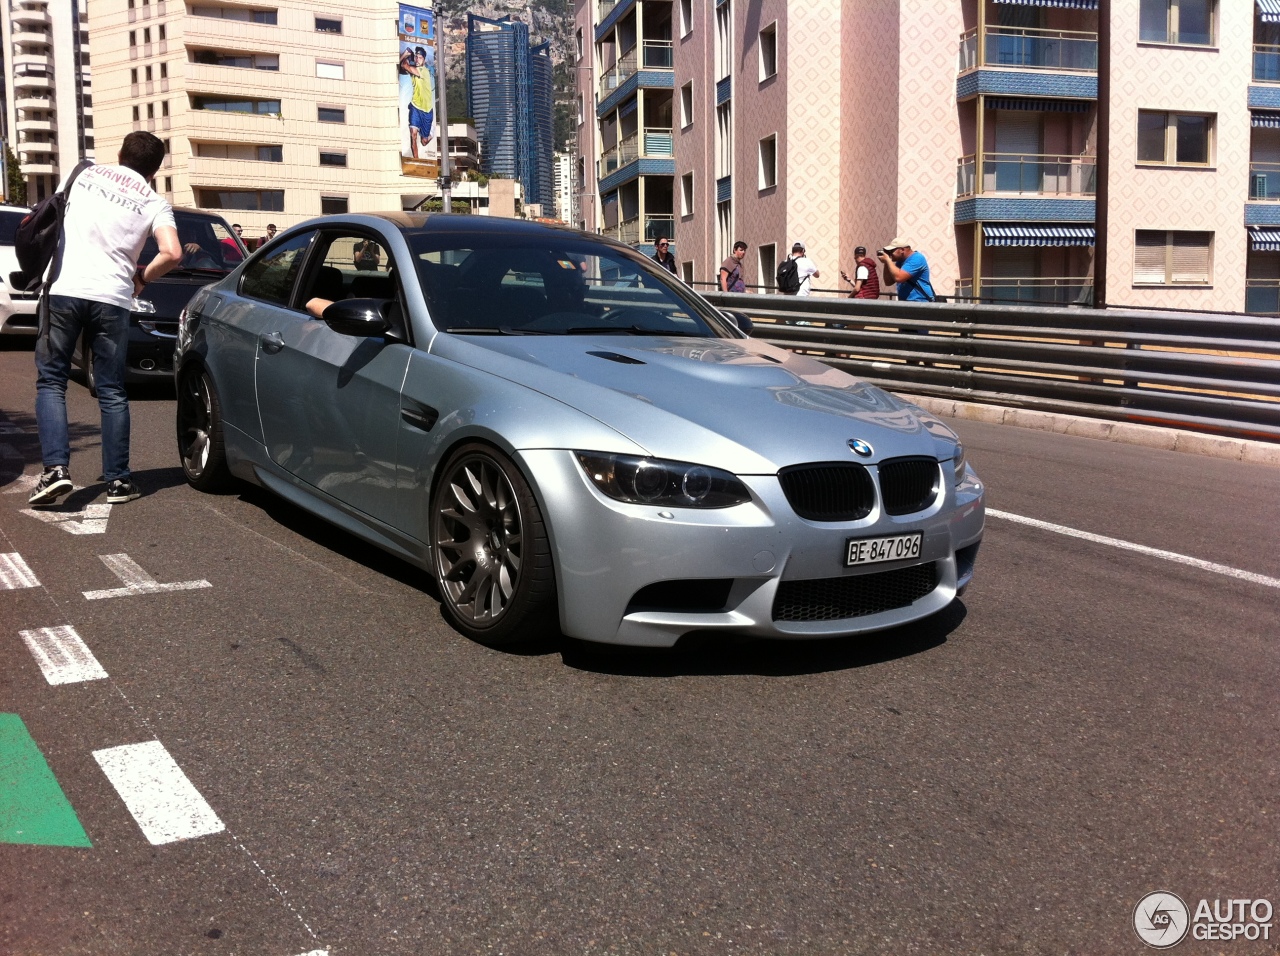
1088, 725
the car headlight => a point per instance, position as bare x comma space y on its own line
653, 481
957, 463
143, 306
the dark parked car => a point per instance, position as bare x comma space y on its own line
210, 251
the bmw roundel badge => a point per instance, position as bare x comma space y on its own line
859, 447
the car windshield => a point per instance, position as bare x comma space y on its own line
208, 244
528, 284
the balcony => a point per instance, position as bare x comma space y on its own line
33, 17
604, 8
656, 143
619, 73
660, 225
656, 55
35, 126
1266, 63
32, 81
627, 231
28, 61
1262, 296
1264, 181
30, 102
1024, 174
1037, 290
1027, 48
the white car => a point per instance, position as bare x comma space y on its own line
17, 309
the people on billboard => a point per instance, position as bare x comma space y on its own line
413, 63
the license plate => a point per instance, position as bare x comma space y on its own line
895, 547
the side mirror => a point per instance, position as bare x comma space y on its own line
739, 319
359, 317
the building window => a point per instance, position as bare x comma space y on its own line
229, 105
332, 158
582, 109
769, 162
686, 194
133, 75
240, 151
243, 61
1177, 21
331, 114
164, 107
168, 184
160, 31
146, 74
166, 147
133, 38
330, 71
686, 17
1172, 258
768, 264
577, 43
164, 71
151, 111
724, 41
137, 114
235, 13
325, 25
146, 34
686, 104
768, 51
333, 205
1175, 139
266, 200
686, 271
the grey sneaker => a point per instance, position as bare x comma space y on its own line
121, 490
53, 484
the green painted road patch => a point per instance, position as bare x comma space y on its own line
33, 808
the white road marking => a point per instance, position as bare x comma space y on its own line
1249, 576
317, 952
62, 656
136, 580
157, 793
91, 519
15, 574
21, 484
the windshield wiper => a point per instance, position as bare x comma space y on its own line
629, 330
496, 330
197, 271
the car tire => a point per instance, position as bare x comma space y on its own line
200, 446
483, 505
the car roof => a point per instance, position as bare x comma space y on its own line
445, 223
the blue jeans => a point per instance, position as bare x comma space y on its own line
107, 329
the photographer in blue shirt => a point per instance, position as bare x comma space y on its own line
908, 269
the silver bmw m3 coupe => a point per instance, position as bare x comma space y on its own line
565, 436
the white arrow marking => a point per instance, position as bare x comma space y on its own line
62, 656
14, 573
91, 519
136, 580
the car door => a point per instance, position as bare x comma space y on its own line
330, 403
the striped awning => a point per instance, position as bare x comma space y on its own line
1264, 240
1265, 119
1270, 10
1039, 106
1072, 4
1020, 235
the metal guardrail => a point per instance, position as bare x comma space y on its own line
1217, 373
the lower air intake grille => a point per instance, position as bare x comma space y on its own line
908, 485
834, 599
831, 491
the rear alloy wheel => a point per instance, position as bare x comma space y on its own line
204, 460
490, 550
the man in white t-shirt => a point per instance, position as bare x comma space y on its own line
805, 269
110, 213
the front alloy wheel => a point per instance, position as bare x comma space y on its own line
204, 461
490, 550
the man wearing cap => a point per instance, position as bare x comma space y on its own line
805, 269
908, 269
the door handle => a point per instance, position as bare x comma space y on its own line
272, 342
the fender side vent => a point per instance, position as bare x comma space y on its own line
615, 357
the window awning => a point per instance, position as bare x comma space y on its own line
1045, 106
1270, 10
1072, 4
1265, 120
1037, 235
1264, 240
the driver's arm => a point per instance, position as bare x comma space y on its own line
168, 256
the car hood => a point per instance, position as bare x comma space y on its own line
741, 404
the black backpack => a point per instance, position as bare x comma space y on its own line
36, 240
788, 277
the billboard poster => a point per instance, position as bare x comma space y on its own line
419, 130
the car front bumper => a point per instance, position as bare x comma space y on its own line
606, 551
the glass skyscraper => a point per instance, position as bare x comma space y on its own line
510, 90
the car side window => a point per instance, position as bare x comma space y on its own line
271, 277
351, 267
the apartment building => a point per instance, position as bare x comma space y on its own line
272, 111
47, 90
509, 89
968, 126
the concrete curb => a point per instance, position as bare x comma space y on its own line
1151, 436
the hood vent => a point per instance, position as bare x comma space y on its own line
616, 357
